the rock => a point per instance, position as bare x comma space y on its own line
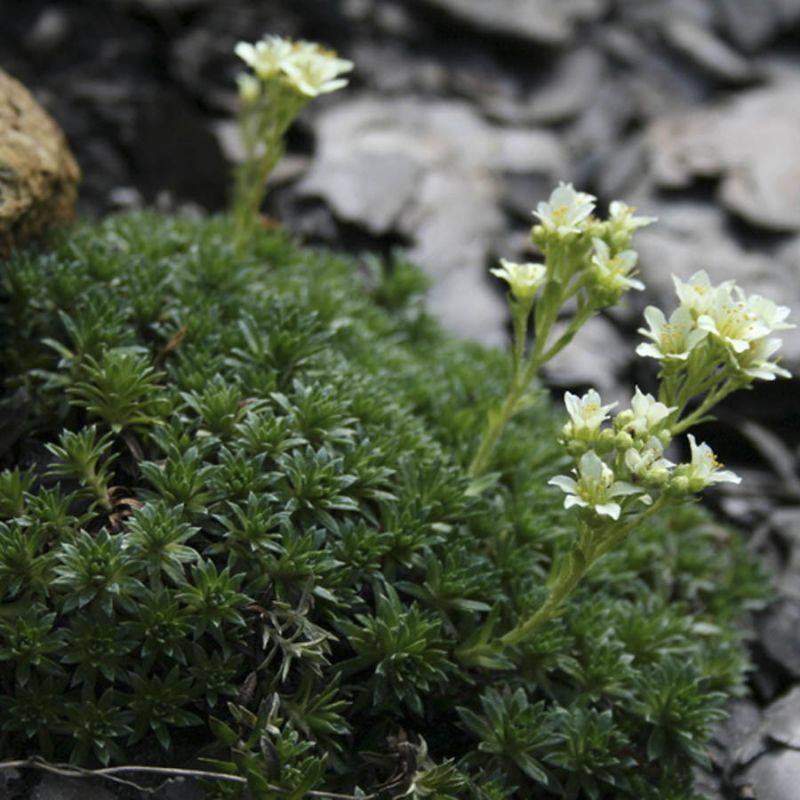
773, 773
54, 787
569, 88
750, 143
707, 785
545, 21
752, 23
596, 132
782, 720
774, 776
735, 734
432, 173
51, 28
391, 71
8, 776
778, 635
595, 357
181, 789
38, 174
786, 523
706, 51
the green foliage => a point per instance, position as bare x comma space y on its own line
239, 524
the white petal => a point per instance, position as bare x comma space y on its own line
565, 483
612, 510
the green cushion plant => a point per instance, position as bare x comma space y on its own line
241, 524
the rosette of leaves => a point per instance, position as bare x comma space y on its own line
238, 524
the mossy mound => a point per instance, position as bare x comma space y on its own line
235, 525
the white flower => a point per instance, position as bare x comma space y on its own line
523, 279
697, 294
595, 487
754, 362
771, 314
587, 413
704, 469
612, 273
730, 319
646, 414
566, 209
313, 70
622, 221
310, 69
672, 340
266, 58
648, 464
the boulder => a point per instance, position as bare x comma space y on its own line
38, 173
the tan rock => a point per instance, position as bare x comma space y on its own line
38, 173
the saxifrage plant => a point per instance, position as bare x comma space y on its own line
274, 556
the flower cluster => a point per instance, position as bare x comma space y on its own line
718, 340
303, 66
284, 76
585, 255
717, 331
626, 457
588, 265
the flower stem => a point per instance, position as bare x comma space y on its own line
711, 400
566, 576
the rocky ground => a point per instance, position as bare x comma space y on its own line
460, 117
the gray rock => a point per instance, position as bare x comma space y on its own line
782, 720
546, 21
595, 357
778, 634
752, 23
569, 88
181, 789
707, 785
735, 735
786, 523
8, 775
706, 51
51, 28
594, 135
54, 787
432, 172
774, 776
750, 143
390, 70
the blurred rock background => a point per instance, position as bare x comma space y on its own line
460, 117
